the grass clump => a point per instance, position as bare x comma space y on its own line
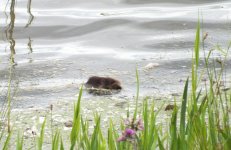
40, 138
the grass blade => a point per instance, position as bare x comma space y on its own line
76, 121
183, 111
19, 142
41, 137
55, 141
111, 138
61, 144
161, 146
6, 143
173, 129
137, 92
197, 43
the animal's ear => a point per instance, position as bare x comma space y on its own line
116, 86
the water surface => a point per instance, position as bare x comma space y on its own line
56, 45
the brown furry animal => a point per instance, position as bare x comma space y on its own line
103, 83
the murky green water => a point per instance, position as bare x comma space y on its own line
56, 45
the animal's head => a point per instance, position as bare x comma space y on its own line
116, 86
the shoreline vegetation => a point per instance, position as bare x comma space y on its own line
199, 120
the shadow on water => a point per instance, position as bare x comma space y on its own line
172, 25
63, 31
31, 18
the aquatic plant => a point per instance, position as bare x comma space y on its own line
19, 142
55, 140
130, 131
40, 137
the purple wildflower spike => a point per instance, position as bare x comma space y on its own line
129, 132
132, 127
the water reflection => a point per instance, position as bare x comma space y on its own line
31, 18
10, 30
29, 45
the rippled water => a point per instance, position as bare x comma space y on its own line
57, 45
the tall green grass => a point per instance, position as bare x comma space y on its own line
19, 145
7, 141
74, 137
40, 138
55, 141
5, 111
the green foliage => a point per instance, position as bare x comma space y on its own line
149, 137
137, 93
41, 136
182, 117
76, 122
173, 130
112, 136
6, 143
55, 141
19, 145
97, 140
61, 144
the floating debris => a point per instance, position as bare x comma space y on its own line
169, 107
151, 66
99, 92
173, 71
205, 36
104, 14
68, 124
175, 94
30, 132
121, 104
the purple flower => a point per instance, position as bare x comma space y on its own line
129, 132
132, 127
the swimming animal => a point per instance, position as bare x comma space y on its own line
103, 83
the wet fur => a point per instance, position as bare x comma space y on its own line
103, 83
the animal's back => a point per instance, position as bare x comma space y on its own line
103, 82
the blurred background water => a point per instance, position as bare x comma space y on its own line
56, 45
